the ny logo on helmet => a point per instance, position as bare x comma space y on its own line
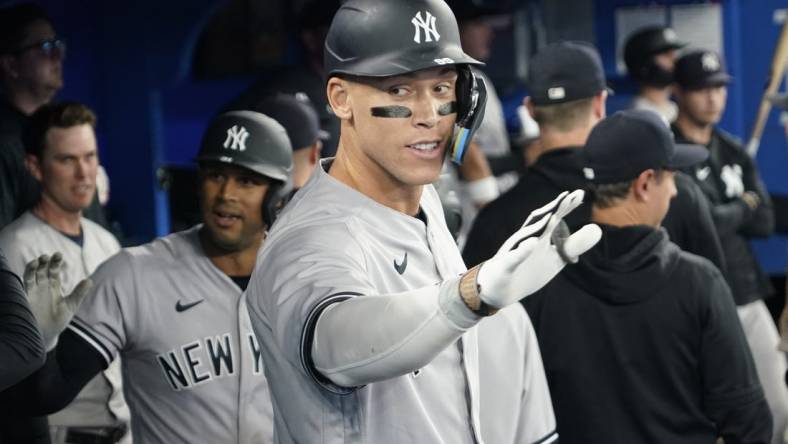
236, 138
425, 25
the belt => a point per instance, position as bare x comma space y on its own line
95, 435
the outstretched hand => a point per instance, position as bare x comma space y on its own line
52, 309
538, 251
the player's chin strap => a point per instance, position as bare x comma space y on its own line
471, 102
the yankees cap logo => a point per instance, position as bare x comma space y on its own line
425, 25
179, 307
401, 266
236, 138
710, 62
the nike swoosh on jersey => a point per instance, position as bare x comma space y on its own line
401, 266
183, 307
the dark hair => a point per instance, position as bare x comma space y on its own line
14, 23
605, 195
54, 115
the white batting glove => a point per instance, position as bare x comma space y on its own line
525, 263
52, 309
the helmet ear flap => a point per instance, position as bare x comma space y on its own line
276, 197
471, 101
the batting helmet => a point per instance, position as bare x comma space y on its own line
640, 49
373, 38
256, 142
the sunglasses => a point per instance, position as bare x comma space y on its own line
47, 47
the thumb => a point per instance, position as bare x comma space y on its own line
30, 274
582, 240
76, 297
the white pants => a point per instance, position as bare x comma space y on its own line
771, 365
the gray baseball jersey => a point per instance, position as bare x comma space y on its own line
100, 403
192, 367
332, 243
515, 399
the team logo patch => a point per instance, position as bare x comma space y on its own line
710, 62
669, 35
425, 25
588, 173
732, 176
236, 138
556, 93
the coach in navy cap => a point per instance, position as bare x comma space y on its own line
564, 72
645, 328
629, 143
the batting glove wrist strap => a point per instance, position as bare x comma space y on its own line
469, 292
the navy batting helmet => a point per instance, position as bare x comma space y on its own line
640, 49
374, 38
256, 142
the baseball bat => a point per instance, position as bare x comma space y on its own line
776, 71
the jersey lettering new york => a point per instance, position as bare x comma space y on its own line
202, 361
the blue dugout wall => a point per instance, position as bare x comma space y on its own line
130, 61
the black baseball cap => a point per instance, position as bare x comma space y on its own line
652, 40
623, 145
474, 9
565, 71
297, 115
701, 69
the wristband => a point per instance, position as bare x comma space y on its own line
482, 191
469, 292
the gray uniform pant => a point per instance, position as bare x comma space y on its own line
771, 365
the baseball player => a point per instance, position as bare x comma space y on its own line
173, 308
363, 308
650, 54
62, 156
742, 211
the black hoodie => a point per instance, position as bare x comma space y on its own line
642, 344
688, 221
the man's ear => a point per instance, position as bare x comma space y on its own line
33, 165
529, 105
338, 98
642, 185
314, 152
599, 105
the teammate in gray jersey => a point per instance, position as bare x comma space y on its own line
174, 310
361, 302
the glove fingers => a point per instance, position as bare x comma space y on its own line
76, 297
41, 271
526, 231
572, 201
55, 263
517, 255
30, 273
582, 240
545, 209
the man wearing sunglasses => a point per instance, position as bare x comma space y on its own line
31, 72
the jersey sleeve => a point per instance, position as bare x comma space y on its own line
761, 222
299, 275
21, 345
101, 319
732, 394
